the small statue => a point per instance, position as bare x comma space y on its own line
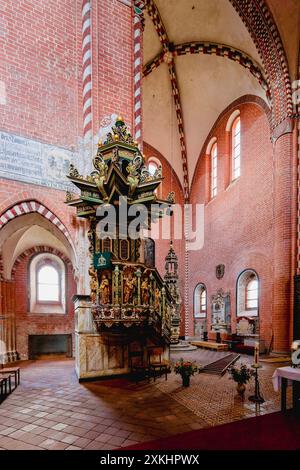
119, 132
158, 173
99, 181
115, 155
69, 196
93, 285
73, 172
132, 178
129, 287
145, 292
145, 175
171, 197
157, 298
104, 290
100, 175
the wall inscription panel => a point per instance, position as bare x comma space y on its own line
34, 162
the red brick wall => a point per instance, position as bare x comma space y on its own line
27, 323
241, 225
40, 65
112, 61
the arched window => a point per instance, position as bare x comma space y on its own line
248, 294
124, 250
200, 301
214, 170
47, 277
48, 284
152, 167
252, 294
107, 244
153, 164
236, 148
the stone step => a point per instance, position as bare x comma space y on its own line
182, 346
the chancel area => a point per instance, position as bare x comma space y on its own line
149, 225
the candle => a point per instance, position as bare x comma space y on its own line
256, 353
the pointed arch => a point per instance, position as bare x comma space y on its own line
30, 206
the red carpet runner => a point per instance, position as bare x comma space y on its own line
274, 431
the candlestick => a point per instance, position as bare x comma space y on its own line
256, 354
256, 398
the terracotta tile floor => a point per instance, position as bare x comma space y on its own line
214, 398
51, 410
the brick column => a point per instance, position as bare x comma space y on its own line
282, 243
87, 76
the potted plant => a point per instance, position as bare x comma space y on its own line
241, 375
185, 369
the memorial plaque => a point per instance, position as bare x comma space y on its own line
35, 162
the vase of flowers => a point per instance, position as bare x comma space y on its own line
241, 375
185, 369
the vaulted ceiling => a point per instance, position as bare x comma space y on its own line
199, 57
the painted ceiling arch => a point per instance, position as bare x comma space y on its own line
199, 57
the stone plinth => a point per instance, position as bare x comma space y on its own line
96, 355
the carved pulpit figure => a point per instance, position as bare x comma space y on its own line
132, 178
145, 292
157, 298
100, 175
104, 290
93, 285
129, 287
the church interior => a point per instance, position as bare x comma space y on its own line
149, 225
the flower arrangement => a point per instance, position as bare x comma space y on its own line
242, 374
185, 368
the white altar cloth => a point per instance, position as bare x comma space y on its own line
287, 372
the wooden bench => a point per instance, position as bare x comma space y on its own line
157, 365
15, 371
5, 385
210, 345
138, 369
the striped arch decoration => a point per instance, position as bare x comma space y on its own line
36, 250
138, 23
258, 19
27, 207
158, 24
87, 70
179, 116
167, 56
213, 48
153, 64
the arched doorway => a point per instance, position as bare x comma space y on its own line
28, 237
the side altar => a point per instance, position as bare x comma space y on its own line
130, 306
